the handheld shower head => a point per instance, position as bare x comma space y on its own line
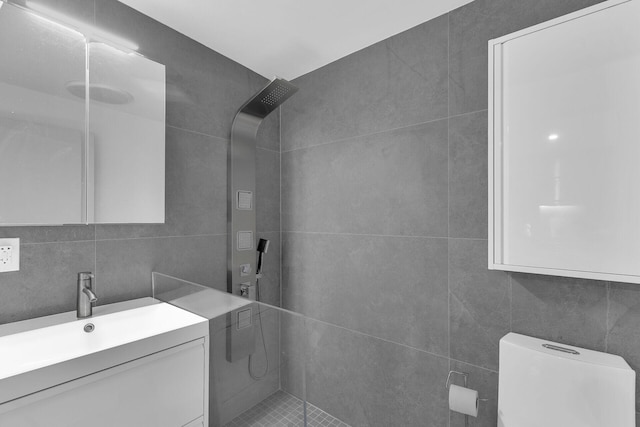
263, 247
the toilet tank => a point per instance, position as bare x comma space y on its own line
548, 384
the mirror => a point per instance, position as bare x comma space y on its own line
66, 158
126, 137
41, 124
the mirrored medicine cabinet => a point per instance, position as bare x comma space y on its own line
564, 193
82, 126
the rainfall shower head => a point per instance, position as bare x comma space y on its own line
269, 98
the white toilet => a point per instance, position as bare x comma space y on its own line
547, 384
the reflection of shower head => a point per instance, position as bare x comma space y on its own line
100, 93
269, 98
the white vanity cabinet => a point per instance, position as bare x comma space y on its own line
564, 146
157, 381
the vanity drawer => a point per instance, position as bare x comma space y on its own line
166, 388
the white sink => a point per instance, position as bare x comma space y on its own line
39, 347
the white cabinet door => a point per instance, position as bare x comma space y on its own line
166, 389
565, 146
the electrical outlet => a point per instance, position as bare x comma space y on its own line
9, 255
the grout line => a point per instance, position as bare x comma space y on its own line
95, 258
280, 260
162, 237
225, 140
607, 325
56, 242
449, 196
131, 238
383, 235
449, 298
468, 114
370, 336
367, 134
475, 366
267, 149
364, 235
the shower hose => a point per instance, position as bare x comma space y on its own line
264, 344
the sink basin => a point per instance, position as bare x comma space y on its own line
140, 362
38, 347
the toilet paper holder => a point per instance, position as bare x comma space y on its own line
466, 380
464, 374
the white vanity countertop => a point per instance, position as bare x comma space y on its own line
38, 343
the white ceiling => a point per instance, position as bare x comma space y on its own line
289, 38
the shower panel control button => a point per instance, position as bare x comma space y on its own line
245, 270
245, 240
244, 200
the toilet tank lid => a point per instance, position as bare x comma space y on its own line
585, 355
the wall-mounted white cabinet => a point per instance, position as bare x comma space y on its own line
564, 146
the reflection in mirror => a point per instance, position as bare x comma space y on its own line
126, 136
41, 124
69, 159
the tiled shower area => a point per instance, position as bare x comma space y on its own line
275, 392
284, 410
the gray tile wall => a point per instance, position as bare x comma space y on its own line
384, 208
204, 91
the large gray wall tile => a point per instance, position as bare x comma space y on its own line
398, 82
388, 183
268, 136
624, 326
294, 347
468, 176
486, 382
372, 382
480, 305
394, 288
562, 309
195, 194
47, 280
124, 266
267, 190
473, 25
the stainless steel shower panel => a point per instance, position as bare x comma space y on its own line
242, 178
241, 213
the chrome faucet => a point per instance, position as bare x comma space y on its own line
85, 295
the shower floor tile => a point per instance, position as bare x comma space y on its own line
284, 410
